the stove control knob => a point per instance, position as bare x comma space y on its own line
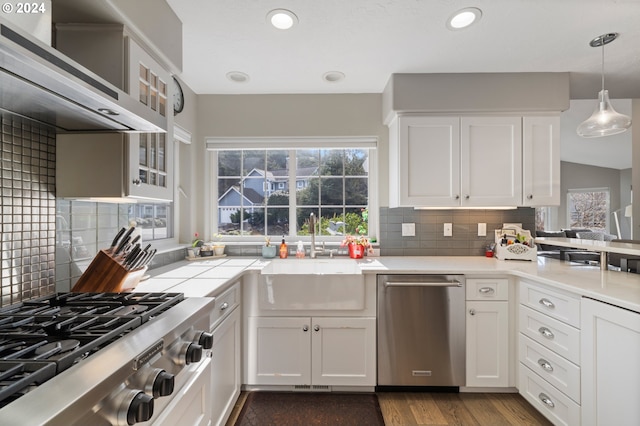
205, 340
140, 408
163, 384
193, 353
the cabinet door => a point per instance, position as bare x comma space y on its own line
147, 81
491, 161
225, 368
610, 349
279, 351
427, 162
487, 344
541, 161
150, 166
344, 351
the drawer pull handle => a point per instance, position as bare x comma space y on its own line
547, 303
546, 332
545, 364
486, 290
544, 398
224, 306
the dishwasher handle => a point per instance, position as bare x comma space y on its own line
453, 283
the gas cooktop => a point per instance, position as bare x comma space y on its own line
43, 337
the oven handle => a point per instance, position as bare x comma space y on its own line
453, 283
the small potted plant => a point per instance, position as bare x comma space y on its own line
268, 250
356, 245
218, 246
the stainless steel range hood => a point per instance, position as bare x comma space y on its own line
42, 84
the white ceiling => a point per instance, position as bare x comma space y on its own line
368, 40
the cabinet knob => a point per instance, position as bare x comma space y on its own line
316, 328
472, 312
544, 398
545, 364
224, 306
530, 197
457, 197
546, 302
546, 332
136, 182
305, 328
466, 197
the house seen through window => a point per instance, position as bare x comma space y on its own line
272, 192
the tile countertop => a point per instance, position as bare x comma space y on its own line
207, 278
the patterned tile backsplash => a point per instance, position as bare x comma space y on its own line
429, 224
28, 210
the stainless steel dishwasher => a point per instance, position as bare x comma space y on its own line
421, 330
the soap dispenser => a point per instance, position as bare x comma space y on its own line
300, 250
284, 251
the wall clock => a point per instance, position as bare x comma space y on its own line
178, 97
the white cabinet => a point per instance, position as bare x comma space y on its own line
610, 365
549, 351
226, 368
440, 161
487, 324
541, 161
319, 351
114, 165
490, 161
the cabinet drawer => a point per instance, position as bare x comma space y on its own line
556, 370
556, 304
487, 289
552, 403
550, 333
225, 303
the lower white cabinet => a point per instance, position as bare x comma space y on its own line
225, 367
320, 351
487, 323
487, 344
610, 350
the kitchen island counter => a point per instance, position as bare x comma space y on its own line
211, 277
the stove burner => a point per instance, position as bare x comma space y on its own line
52, 333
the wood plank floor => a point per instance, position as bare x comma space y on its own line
480, 409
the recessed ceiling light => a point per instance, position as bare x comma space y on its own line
463, 18
333, 76
238, 77
282, 19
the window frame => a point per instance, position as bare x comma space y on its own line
214, 144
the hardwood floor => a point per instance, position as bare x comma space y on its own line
481, 409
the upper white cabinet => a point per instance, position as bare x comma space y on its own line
138, 165
438, 161
541, 161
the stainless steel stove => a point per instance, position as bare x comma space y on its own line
101, 358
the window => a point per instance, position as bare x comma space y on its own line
332, 182
154, 220
588, 208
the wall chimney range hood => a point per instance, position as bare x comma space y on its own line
44, 85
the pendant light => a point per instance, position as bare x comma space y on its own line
605, 120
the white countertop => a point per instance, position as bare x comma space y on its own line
618, 288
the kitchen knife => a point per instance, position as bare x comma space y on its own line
139, 259
133, 253
115, 240
123, 243
126, 235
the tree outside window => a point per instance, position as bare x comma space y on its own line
588, 208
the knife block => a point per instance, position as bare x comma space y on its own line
107, 275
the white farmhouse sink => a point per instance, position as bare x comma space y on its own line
312, 266
312, 284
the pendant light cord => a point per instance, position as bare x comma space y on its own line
603, 65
